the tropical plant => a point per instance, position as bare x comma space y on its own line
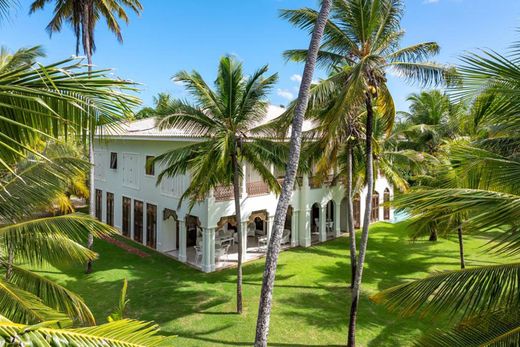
163, 102
121, 333
432, 119
271, 262
484, 297
30, 238
82, 16
32, 111
362, 42
224, 118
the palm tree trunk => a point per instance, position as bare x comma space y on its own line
271, 261
461, 248
351, 341
87, 49
350, 216
236, 191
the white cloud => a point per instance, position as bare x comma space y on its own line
178, 83
284, 93
427, 2
296, 78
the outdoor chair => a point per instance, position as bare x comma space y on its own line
221, 251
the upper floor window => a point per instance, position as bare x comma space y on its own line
113, 160
149, 165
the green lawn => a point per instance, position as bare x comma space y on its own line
311, 298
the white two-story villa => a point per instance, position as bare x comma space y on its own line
128, 198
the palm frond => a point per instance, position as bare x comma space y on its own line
121, 333
22, 306
465, 292
53, 239
52, 295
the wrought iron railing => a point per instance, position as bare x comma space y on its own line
257, 188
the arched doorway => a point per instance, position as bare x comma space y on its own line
257, 230
170, 231
386, 207
330, 218
192, 230
357, 211
375, 207
315, 222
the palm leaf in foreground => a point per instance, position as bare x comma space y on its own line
464, 292
52, 295
497, 330
53, 239
24, 307
122, 333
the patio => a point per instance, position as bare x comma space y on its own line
255, 250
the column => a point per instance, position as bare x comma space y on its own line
304, 231
270, 224
244, 240
323, 225
294, 228
337, 219
208, 249
182, 240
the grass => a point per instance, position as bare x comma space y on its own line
311, 298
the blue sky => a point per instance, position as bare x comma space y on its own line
173, 35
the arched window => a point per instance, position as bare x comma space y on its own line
386, 208
375, 207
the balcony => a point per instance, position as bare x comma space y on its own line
223, 193
257, 188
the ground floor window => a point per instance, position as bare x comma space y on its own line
375, 207
99, 202
127, 203
151, 225
110, 209
138, 221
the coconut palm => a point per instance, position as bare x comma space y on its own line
29, 236
162, 104
264, 307
225, 117
433, 119
82, 16
363, 38
485, 297
32, 112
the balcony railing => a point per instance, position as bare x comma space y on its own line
223, 193
257, 188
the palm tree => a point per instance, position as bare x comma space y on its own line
485, 298
162, 104
433, 118
362, 37
33, 112
29, 236
82, 16
225, 117
264, 307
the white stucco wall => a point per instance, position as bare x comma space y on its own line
130, 180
